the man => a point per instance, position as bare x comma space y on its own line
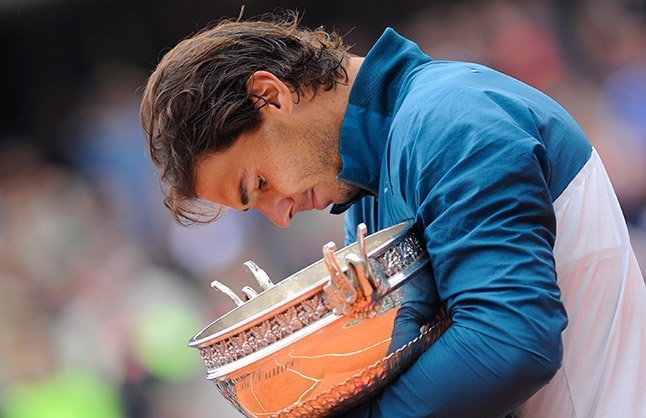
509, 193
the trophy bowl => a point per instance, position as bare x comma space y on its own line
320, 342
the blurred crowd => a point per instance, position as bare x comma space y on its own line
100, 291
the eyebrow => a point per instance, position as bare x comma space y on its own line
242, 188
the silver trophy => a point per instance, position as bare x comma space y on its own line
321, 341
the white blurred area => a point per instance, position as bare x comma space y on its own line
100, 290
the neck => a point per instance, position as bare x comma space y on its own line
333, 103
352, 66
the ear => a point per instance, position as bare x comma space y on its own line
273, 94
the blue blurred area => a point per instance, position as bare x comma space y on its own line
92, 267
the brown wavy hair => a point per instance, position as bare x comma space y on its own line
196, 101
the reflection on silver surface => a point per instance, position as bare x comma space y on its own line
320, 341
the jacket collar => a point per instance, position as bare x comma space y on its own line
373, 99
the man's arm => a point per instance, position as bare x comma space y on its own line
489, 228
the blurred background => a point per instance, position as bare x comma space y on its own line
100, 290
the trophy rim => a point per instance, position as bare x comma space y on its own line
295, 288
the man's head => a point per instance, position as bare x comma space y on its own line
244, 115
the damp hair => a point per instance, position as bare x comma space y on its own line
196, 102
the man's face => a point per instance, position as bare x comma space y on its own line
280, 169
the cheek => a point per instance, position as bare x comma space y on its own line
286, 180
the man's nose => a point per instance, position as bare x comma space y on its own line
279, 211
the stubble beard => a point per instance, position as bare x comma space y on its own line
323, 141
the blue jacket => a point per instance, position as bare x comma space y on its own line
476, 158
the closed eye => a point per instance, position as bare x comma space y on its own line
261, 183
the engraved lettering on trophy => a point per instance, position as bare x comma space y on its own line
278, 369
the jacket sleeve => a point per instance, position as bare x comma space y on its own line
489, 225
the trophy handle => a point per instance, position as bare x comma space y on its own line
215, 284
248, 292
259, 274
357, 291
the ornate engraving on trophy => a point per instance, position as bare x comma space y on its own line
397, 258
358, 298
264, 333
